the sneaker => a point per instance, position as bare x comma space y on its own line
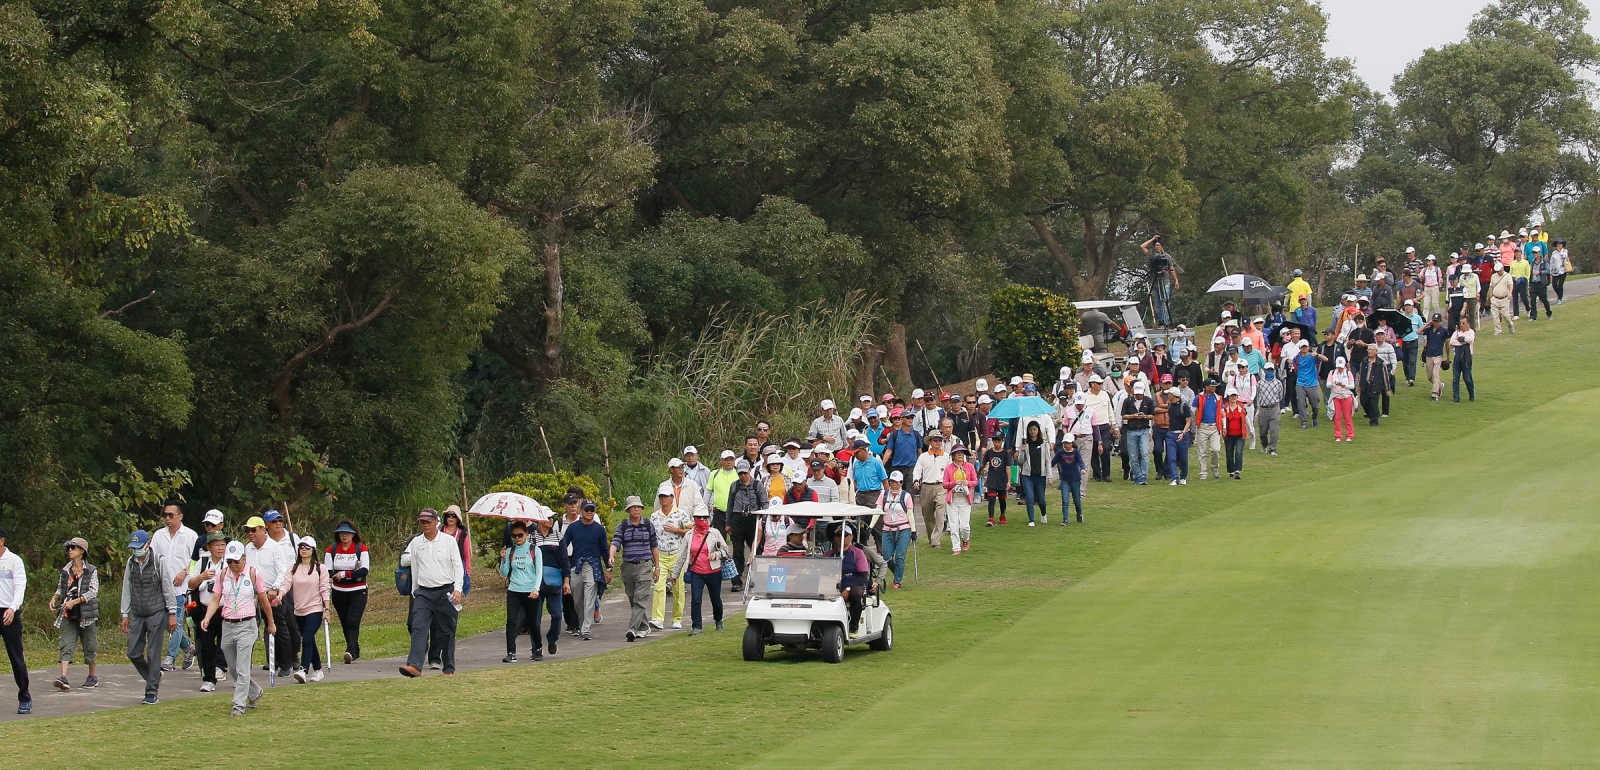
552, 648
188, 659
410, 671
300, 675
25, 707
434, 666
61, 684
677, 625
1002, 519
538, 657
236, 712
166, 664
1202, 477
597, 616
1181, 483
720, 627
990, 524
1043, 519
1063, 522
586, 637
251, 703
896, 586
1030, 523
694, 632
284, 674
656, 624
1336, 439
150, 700
966, 546
1274, 453
316, 676
629, 636
207, 687
90, 683
348, 658
1173, 484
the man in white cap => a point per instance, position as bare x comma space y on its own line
1098, 403
672, 522
718, 488
927, 478
697, 472
928, 415
1137, 412
829, 426
1087, 368
1501, 286
237, 596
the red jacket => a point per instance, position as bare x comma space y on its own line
1232, 420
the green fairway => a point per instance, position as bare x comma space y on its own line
1415, 598
1432, 610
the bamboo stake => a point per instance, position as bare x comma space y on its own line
605, 448
461, 467
929, 363
552, 455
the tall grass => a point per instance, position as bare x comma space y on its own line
764, 366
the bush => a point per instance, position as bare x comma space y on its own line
550, 488
1032, 330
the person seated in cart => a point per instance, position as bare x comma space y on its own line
854, 573
796, 541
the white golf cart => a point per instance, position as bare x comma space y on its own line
794, 601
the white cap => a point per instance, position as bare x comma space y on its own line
1479, 247
307, 541
664, 489
773, 502
1411, 302
1138, 387
213, 516
1068, 437
235, 551
1093, 378
865, 399
883, 412
1132, 360
999, 388
827, 403
1247, 343
984, 399
797, 476
1015, 380
983, 385
674, 463
1497, 267
727, 454
916, 393
1305, 344
1432, 258
896, 476
1173, 391
1226, 315
1080, 399
1269, 365
1088, 357
1411, 249
1523, 231
855, 413
1338, 363
691, 450
1066, 372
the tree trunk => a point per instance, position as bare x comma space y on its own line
866, 377
552, 297
896, 361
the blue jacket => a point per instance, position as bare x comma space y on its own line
523, 567
1307, 316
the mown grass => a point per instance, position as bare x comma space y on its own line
692, 701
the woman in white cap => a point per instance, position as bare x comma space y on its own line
1070, 463
1342, 391
960, 481
899, 527
771, 530
309, 588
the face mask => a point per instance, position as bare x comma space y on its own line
1271, 375
140, 553
702, 526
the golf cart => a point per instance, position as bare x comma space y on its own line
1173, 338
794, 601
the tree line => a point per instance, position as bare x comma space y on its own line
269, 250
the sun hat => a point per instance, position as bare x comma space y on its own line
215, 537
79, 542
791, 443
1505, 233
344, 526
632, 501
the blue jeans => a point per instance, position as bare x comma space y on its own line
896, 544
310, 654
1461, 369
1178, 456
1138, 441
712, 583
179, 641
1033, 494
1072, 484
1160, 297
551, 603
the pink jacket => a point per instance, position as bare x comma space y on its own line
309, 589
950, 482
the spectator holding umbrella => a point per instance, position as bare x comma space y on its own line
522, 565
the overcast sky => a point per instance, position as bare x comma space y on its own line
1383, 36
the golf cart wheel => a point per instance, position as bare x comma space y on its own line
833, 644
755, 648
885, 642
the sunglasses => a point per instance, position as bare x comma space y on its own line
518, 535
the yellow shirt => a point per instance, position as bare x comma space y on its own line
1521, 269
1298, 288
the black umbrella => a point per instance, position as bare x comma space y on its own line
1306, 332
1253, 290
1396, 320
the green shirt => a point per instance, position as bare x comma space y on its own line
721, 483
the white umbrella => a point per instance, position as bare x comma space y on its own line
510, 505
1251, 288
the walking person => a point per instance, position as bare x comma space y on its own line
1137, 412
555, 581
1538, 281
238, 593
348, 564
149, 611
1560, 265
704, 550
175, 544
1377, 383
1342, 387
436, 578
13, 588
1500, 299
1180, 432
209, 639
1098, 403
1033, 470
1432, 281
310, 589
1070, 463
927, 480
584, 542
960, 484
522, 565
997, 464
76, 604
1232, 425
1462, 347
1410, 342
672, 523
899, 527
1270, 393
450, 523
635, 542
1307, 365
1208, 439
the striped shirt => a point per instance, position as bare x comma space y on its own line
635, 540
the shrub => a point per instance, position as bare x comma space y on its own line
550, 488
1032, 330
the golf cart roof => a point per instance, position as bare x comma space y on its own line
822, 511
1104, 304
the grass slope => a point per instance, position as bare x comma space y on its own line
692, 701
